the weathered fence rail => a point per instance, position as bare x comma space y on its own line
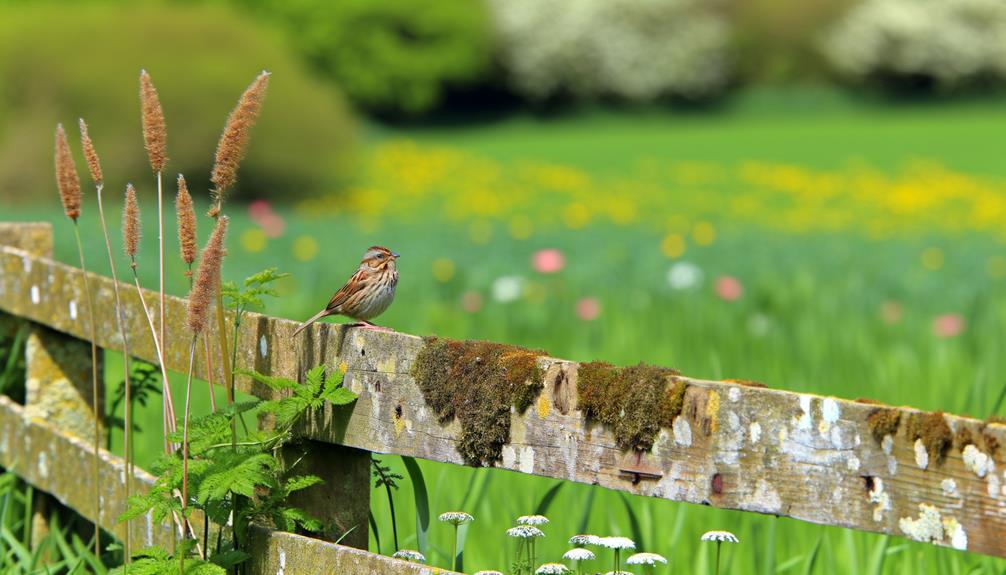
931, 477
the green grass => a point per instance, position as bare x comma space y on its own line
809, 319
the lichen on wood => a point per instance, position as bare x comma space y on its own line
624, 399
477, 383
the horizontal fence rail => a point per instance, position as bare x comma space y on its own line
930, 477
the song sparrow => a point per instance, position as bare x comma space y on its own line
368, 293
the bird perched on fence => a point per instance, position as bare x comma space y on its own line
367, 293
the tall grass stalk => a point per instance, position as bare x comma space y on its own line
68, 185
94, 166
131, 240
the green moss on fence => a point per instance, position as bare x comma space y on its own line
478, 382
635, 402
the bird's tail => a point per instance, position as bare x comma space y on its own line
313, 319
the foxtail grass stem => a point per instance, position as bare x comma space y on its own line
185, 448
166, 386
94, 391
120, 320
166, 400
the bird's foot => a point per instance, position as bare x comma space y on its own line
368, 325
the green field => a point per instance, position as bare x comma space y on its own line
867, 238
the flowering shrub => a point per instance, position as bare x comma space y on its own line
938, 43
635, 50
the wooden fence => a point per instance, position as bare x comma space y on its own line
930, 477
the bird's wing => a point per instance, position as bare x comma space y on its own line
357, 282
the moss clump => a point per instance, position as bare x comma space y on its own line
623, 398
934, 432
883, 422
963, 438
478, 382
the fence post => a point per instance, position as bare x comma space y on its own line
342, 502
57, 368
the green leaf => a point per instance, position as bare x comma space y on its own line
229, 558
422, 500
276, 383
299, 482
340, 396
546, 500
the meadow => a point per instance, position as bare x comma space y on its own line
809, 241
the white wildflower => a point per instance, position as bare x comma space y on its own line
645, 559
552, 569
456, 517
684, 275
579, 554
507, 288
584, 540
524, 532
616, 543
720, 536
532, 520
410, 555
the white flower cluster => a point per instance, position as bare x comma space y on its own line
720, 536
645, 559
635, 50
524, 532
410, 555
947, 42
532, 520
616, 543
456, 517
579, 554
552, 569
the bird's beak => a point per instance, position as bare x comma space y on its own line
394, 255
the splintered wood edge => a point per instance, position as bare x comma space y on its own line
734, 446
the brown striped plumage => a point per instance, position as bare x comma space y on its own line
367, 293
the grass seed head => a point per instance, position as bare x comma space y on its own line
90, 154
234, 139
186, 222
207, 278
155, 133
66, 176
131, 223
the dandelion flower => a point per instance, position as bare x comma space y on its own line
410, 556
456, 517
552, 569
525, 532
532, 520
720, 536
579, 554
584, 539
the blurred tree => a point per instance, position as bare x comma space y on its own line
392, 57
62, 60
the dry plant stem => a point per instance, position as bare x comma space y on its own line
160, 261
185, 445
168, 422
127, 433
94, 391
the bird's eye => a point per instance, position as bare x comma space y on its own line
380, 256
